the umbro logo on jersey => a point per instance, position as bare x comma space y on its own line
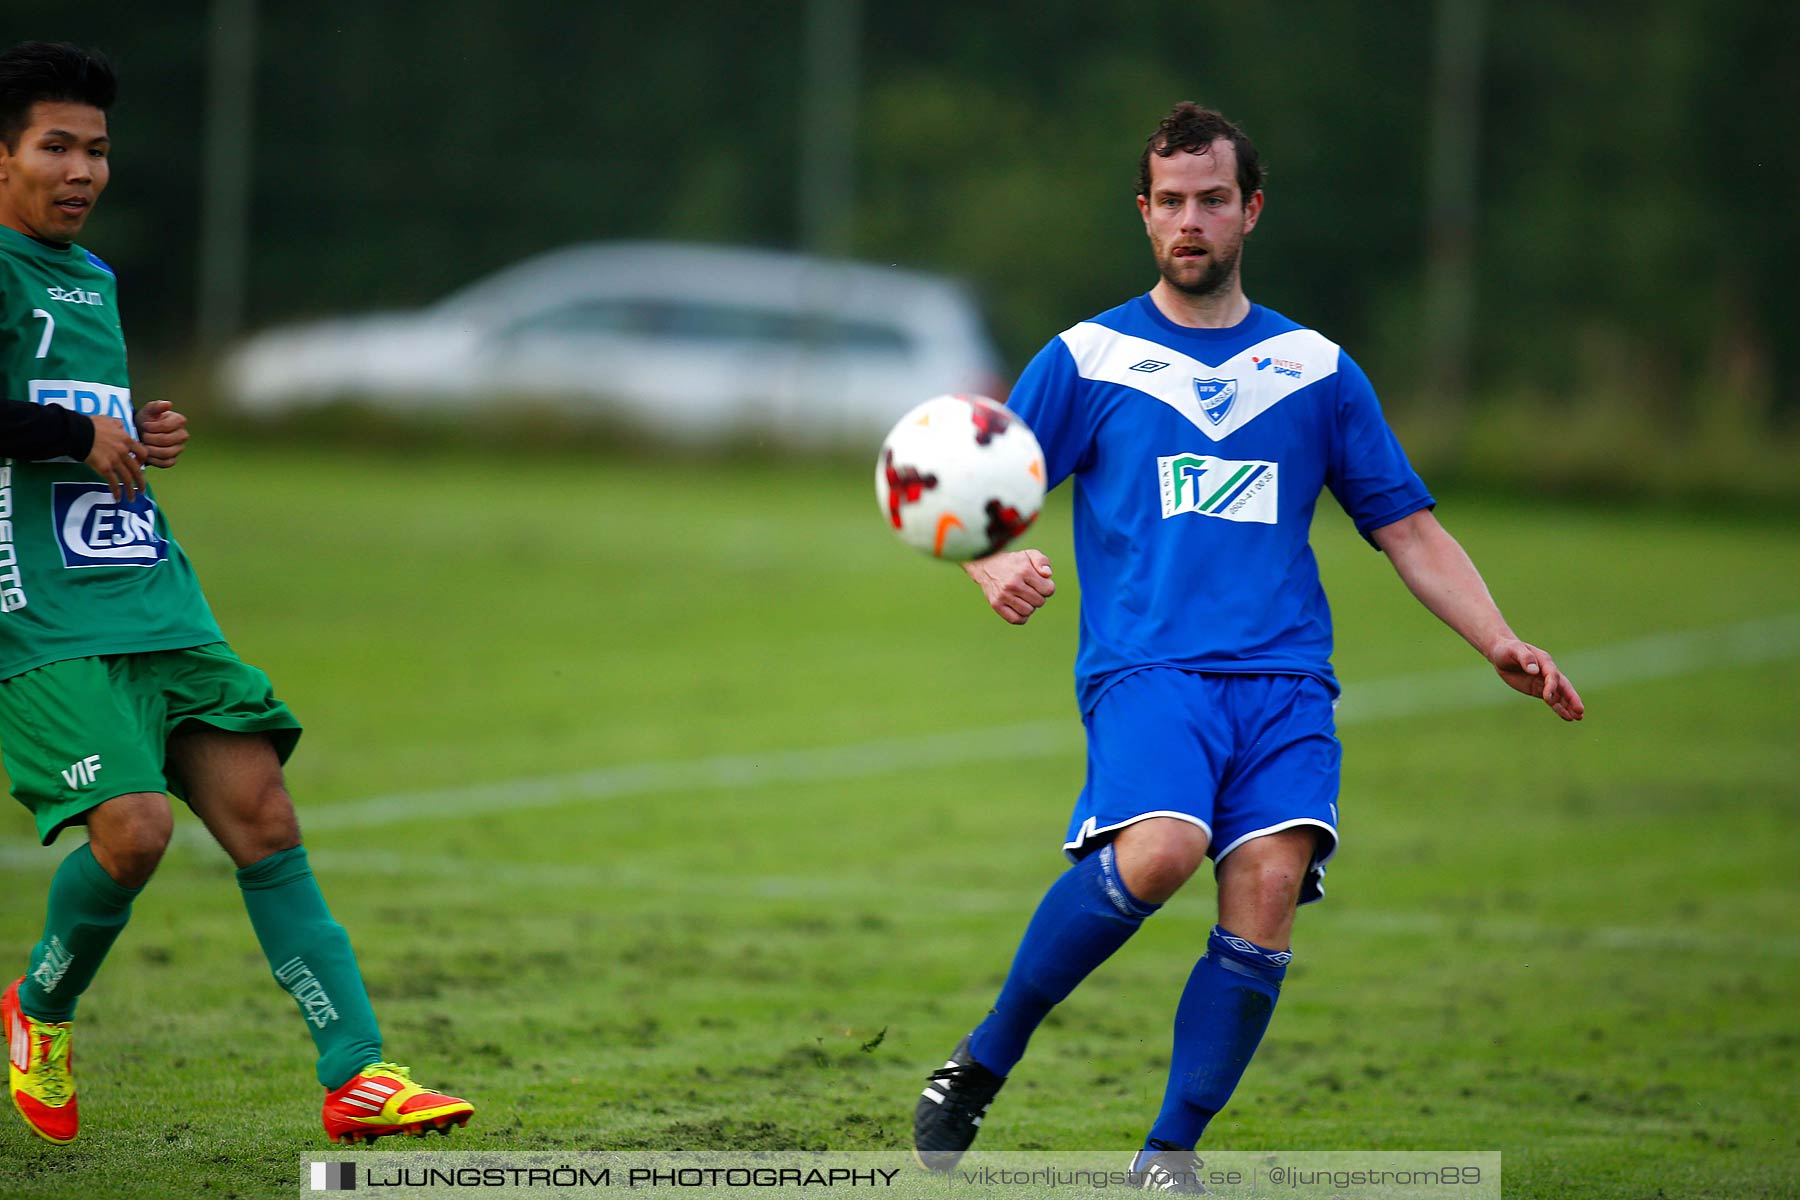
1283, 366
1216, 396
1217, 487
76, 296
1148, 366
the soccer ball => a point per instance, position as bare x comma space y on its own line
959, 477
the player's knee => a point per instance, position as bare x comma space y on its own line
1278, 892
1155, 868
128, 836
269, 823
1267, 891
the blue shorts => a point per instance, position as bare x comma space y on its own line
1240, 756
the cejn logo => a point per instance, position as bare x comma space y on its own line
94, 530
1217, 487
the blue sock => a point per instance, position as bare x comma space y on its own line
1218, 1025
1086, 915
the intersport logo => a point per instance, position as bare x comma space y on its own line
1218, 487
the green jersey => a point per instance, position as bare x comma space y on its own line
80, 573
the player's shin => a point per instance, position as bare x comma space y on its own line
1087, 914
86, 911
1219, 1023
310, 954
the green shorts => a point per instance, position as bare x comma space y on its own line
76, 733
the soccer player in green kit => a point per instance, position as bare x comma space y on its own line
116, 685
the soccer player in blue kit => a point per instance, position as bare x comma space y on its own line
1200, 429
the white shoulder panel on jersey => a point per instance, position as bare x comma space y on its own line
1219, 400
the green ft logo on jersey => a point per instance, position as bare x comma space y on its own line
1217, 487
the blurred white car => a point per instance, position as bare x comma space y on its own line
694, 342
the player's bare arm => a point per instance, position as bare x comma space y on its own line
1440, 573
118, 458
1015, 582
163, 432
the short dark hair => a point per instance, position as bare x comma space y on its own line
32, 72
1194, 129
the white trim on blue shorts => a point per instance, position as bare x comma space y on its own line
1088, 832
1256, 833
1315, 870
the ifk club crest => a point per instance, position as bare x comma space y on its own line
1216, 396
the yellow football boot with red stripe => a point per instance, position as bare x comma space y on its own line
40, 1062
382, 1099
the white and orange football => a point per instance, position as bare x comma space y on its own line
960, 477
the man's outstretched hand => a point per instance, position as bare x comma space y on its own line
1527, 669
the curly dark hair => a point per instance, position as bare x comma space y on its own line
36, 71
1194, 129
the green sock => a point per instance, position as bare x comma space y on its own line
87, 909
311, 957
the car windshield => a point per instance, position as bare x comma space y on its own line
710, 322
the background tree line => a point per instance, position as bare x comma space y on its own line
1633, 170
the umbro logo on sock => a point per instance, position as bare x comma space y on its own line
1280, 958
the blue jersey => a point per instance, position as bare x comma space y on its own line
1198, 455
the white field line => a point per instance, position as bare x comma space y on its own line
571, 879
1659, 657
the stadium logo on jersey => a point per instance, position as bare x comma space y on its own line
1217, 487
1283, 366
1216, 396
76, 296
88, 399
95, 530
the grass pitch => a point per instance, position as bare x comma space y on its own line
674, 805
